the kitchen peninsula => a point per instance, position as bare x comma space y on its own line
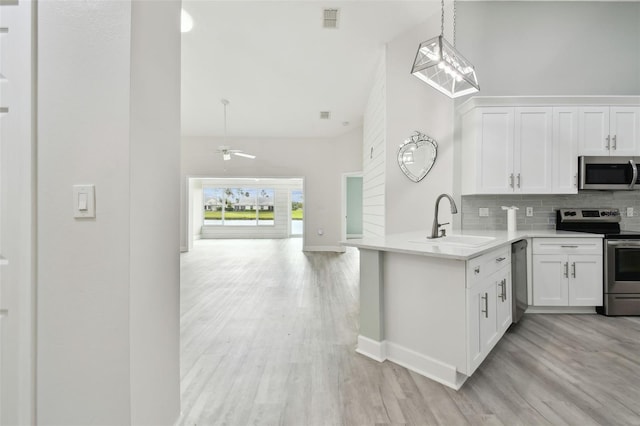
438, 307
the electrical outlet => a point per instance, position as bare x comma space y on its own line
483, 212
630, 211
529, 211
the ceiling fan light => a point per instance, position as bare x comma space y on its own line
242, 154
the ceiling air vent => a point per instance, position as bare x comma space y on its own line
330, 18
325, 115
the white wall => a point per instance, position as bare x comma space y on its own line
282, 208
17, 213
373, 155
413, 105
154, 234
552, 48
107, 287
320, 162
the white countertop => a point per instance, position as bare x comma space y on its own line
412, 242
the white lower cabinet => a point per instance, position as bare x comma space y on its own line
488, 312
567, 272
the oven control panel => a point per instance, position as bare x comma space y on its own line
590, 215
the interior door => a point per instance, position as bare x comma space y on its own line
354, 206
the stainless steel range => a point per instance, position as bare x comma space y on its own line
621, 256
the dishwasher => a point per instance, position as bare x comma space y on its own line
519, 292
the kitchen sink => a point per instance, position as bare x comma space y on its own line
458, 240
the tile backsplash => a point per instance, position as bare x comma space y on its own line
544, 208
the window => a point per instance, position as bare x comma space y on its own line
238, 206
297, 212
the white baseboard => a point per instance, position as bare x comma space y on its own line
561, 310
337, 249
371, 348
431, 368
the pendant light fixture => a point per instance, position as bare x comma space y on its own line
441, 66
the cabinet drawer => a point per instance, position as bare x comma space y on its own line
483, 266
567, 246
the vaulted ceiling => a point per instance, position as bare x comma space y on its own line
279, 67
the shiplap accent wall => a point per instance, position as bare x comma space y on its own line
282, 209
373, 161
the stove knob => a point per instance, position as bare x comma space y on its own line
603, 213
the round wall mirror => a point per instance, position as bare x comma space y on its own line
417, 155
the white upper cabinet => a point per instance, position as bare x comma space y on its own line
507, 150
565, 150
530, 145
605, 130
533, 156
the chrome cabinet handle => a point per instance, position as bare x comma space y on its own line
634, 178
566, 269
573, 269
615, 142
608, 145
485, 311
500, 259
563, 246
476, 270
519, 180
511, 180
504, 289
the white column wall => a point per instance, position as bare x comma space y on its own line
154, 308
107, 290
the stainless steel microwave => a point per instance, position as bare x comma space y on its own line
612, 173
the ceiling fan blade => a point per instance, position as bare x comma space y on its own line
242, 154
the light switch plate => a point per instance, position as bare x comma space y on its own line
630, 211
84, 201
529, 211
483, 212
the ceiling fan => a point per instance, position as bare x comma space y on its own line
225, 150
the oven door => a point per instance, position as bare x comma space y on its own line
622, 266
616, 173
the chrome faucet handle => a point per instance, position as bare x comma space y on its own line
443, 232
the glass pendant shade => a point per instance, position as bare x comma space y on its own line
440, 65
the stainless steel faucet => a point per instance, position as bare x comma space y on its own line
436, 226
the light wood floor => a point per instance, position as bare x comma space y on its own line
268, 336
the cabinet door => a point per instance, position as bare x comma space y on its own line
565, 150
494, 151
533, 150
585, 284
482, 324
550, 280
593, 131
504, 302
625, 130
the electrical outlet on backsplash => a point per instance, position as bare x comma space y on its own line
544, 209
